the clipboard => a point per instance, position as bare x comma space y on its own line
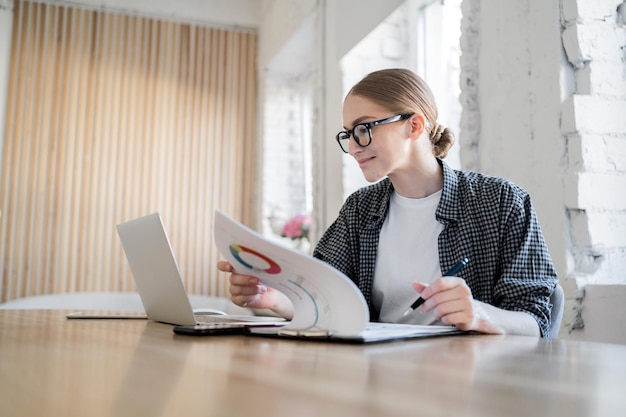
327, 305
373, 333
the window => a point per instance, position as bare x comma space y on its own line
421, 35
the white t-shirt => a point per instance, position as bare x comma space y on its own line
407, 252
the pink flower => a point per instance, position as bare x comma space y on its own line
297, 227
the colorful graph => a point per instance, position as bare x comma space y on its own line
268, 265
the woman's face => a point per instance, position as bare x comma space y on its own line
391, 143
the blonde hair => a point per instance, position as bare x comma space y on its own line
402, 91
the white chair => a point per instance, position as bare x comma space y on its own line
558, 303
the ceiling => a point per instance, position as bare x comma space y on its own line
243, 14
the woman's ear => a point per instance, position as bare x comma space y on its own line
417, 123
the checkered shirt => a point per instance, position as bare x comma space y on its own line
487, 219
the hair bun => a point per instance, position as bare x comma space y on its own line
442, 139
436, 132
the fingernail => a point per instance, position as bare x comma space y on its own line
262, 289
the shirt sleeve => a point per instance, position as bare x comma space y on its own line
528, 275
336, 247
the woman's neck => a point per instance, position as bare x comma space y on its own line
421, 179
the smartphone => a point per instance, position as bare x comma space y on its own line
211, 329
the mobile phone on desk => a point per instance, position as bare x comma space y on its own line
210, 329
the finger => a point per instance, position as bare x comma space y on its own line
250, 301
446, 299
461, 320
224, 266
454, 311
418, 286
443, 284
245, 290
258, 300
239, 279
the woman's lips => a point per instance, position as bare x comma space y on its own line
364, 161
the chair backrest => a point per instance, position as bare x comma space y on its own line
558, 300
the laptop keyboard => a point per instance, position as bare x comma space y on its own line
218, 318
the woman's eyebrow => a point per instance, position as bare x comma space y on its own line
359, 120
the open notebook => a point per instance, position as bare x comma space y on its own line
158, 278
327, 304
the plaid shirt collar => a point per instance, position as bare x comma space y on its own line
447, 211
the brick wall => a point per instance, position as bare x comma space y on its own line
544, 104
594, 124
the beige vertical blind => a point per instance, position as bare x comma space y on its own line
111, 117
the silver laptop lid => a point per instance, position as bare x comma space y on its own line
155, 270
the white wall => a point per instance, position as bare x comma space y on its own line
545, 108
279, 22
517, 73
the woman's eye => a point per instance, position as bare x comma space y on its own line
360, 130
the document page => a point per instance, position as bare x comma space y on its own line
323, 298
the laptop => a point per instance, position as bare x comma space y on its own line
158, 279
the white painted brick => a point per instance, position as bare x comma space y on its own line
607, 228
611, 264
600, 41
595, 191
579, 228
593, 41
590, 9
600, 265
592, 114
599, 229
616, 153
572, 47
596, 153
602, 78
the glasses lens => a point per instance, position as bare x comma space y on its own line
343, 139
362, 135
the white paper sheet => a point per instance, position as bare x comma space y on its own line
323, 297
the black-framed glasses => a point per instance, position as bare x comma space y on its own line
362, 132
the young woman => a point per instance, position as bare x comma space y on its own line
396, 238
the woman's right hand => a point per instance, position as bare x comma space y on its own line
247, 291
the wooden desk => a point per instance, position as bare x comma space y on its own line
51, 366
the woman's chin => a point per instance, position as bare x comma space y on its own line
372, 178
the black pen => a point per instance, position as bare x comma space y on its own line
452, 272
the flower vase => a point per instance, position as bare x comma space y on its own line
302, 245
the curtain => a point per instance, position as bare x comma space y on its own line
111, 117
